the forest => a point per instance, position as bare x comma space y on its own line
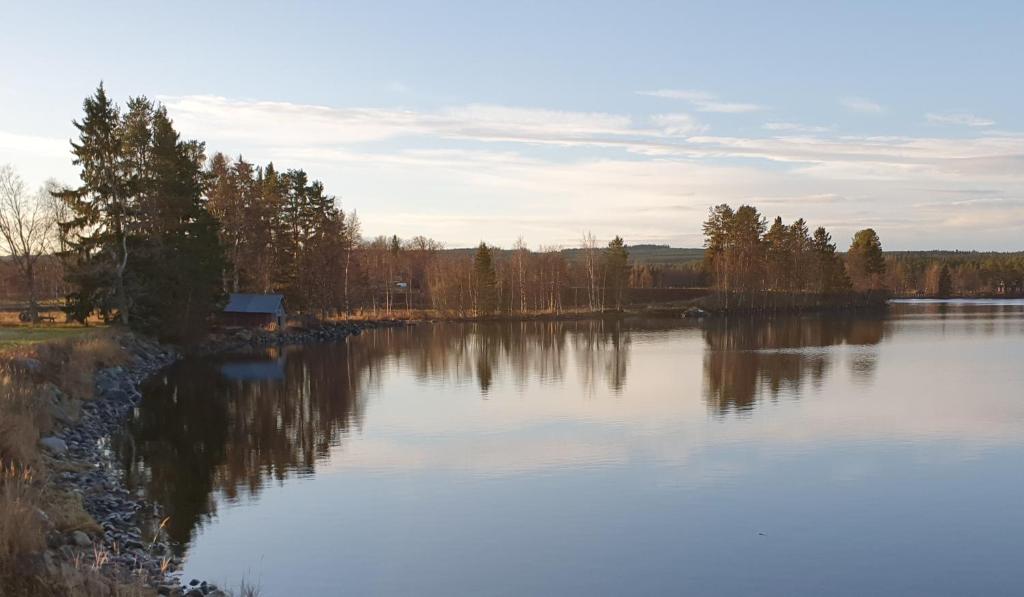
159, 231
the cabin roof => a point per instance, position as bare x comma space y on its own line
255, 303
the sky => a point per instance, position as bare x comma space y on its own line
470, 121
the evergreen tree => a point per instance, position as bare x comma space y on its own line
829, 273
486, 282
616, 265
97, 232
779, 266
799, 247
865, 260
945, 282
144, 243
716, 242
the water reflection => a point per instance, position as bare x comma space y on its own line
210, 431
584, 458
748, 359
234, 424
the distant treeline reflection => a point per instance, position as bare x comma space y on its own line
233, 425
749, 359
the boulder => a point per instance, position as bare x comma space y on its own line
54, 445
80, 539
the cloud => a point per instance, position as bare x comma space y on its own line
282, 122
678, 123
34, 144
959, 118
481, 171
703, 101
794, 127
860, 104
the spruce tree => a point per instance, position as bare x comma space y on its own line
97, 231
144, 243
485, 281
945, 282
865, 260
616, 264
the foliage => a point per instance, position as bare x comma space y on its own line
142, 246
744, 255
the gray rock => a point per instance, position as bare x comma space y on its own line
54, 445
81, 539
26, 365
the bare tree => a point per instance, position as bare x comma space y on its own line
590, 256
25, 229
520, 255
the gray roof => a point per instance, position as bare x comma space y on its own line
255, 303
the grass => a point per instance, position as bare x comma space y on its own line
16, 337
69, 357
20, 526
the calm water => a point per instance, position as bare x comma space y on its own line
875, 456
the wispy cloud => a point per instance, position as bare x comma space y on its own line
703, 101
861, 104
480, 169
34, 144
678, 123
794, 127
959, 118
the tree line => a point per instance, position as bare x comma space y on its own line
744, 255
157, 234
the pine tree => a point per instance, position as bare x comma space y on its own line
485, 281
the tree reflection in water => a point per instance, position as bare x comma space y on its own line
748, 359
227, 426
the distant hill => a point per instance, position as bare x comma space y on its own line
638, 254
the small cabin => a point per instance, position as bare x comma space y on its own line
254, 310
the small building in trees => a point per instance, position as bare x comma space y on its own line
254, 310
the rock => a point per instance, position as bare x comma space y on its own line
81, 539
50, 564
26, 365
54, 445
194, 593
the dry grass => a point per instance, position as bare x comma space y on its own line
20, 526
67, 513
69, 357
247, 589
72, 364
21, 418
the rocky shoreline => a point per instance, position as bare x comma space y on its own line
129, 545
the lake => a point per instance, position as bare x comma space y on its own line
799, 455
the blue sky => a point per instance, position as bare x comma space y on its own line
469, 121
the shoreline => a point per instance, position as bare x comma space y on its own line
128, 529
127, 543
